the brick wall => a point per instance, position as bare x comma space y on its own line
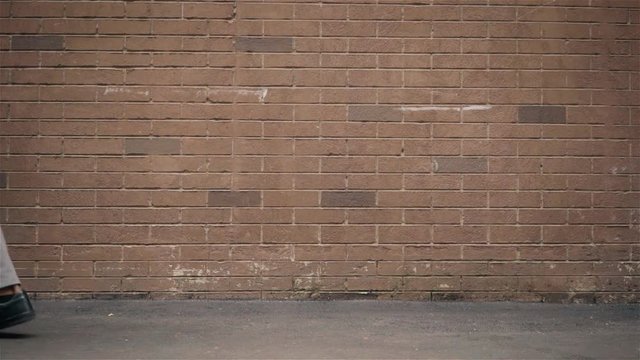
413, 149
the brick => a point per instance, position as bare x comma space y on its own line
375, 78
153, 10
270, 44
404, 199
65, 269
177, 234
459, 165
46, 42
360, 234
374, 113
348, 199
374, 216
489, 252
121, 268
440, 216
296, 234
122, 234
375, 147
567, 234
151, 216
615, 234
93, 146
207, 11
420, 252
83, 252
378, 252
234, 198
324, 252
542, 114
259, 252
319, 77
67, 198
92, 216
152, 146
319, 216
459, 199
407, 234
20, 234
234, 234
290, 198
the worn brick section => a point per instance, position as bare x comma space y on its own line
285, 149
234, 198
542, 114
348, 199
37, 42
265, 44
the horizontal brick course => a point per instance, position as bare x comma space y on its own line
309, 149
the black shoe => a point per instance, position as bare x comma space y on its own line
15, 309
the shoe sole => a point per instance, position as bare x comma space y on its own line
18, 319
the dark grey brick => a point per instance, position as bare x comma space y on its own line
152, 146
43, 42
234, 198
348, 199
264, 44
374, 113
3, 180
459, 165
542, 115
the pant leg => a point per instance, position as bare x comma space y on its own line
8, 274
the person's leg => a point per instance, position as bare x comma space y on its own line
8, 277
15, 307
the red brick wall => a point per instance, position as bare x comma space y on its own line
414, 149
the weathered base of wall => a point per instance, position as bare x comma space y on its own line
546, 297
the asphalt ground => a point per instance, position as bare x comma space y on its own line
192, 329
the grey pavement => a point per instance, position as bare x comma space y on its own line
191, 329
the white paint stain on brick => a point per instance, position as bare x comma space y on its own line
476, 107
180, 271
260, 94
435, 165
445, 108
124, 90
615, 170
259, 268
